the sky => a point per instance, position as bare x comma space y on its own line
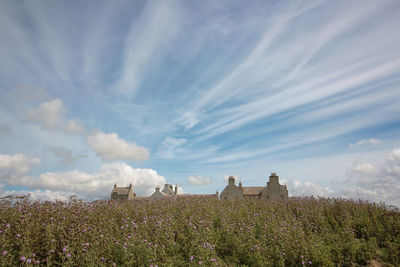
95, 93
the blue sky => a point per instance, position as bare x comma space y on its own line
188, 92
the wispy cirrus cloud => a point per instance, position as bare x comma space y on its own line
149, 36
371, 141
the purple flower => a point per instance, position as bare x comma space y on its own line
28, 261
5, 252
8, 225
1, 232
65, 249
18, 235
303, 262
23, 259
37, 262
68, 255
52, 251
200, 262
102, 259
191, 258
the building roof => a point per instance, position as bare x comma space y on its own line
121, 190
197, 195
252, 191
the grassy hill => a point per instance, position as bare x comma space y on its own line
200, 231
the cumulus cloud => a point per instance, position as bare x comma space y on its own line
6, 130
14, 166
111, 147
308, 188
40, 194
99, 184
377, 183
362, 168
51, 116
364, 142
170, 145
199, 180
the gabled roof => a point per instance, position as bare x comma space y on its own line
252, 191
121, 190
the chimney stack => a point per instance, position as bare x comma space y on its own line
231, 180
176, 189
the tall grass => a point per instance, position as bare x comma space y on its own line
199, 231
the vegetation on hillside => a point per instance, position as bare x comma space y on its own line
199, 231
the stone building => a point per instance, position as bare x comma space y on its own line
168, 191
123, 193
231, 190
273, 190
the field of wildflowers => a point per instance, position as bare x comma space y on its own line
199, 231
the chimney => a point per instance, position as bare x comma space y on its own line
231, 181
130, 185
157, 189
217, 193
176, 189
274, 178
240, 184
115, 185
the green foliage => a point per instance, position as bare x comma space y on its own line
193, 231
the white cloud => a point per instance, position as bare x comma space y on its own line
170, 145
40, 194
364, 142
14, 166
362, 169
308, 188
51, 116
66, 156
100, 184
199, 180
377, 183
110, 147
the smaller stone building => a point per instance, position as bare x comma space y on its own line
122, 193
168, 191
231, 190
273, 190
